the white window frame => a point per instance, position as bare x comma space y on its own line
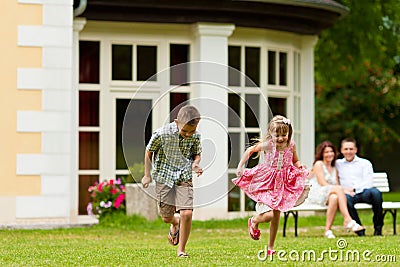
122, 33
266, 90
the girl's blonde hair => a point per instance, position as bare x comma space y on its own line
278, 124
281, 125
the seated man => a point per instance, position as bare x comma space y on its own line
356, 177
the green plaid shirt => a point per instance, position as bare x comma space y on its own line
172, 154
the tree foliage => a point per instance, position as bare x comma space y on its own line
357, 76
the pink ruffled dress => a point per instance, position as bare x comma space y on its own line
276, 183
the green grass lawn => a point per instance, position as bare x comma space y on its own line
121, 240
392, 196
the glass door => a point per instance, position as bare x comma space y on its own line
133, 124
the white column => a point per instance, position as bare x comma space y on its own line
79, 24
210, 76
307, 116
53, 121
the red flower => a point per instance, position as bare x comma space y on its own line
119, 200
100, 187
111, 192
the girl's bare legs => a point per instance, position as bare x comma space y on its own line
273, 228
262, 218
272, 216
331, 211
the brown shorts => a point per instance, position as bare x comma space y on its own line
171, 200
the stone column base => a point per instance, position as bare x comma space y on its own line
141, 201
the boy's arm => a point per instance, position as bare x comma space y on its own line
196, 165
147, 165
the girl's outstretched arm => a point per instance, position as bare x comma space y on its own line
246, 155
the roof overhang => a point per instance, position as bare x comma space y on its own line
302, 17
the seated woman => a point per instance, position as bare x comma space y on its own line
326, 190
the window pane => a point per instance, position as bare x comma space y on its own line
176, 101
89, 60
253, 161
146, 63
122, 62
234, 110
233, 195
233, 149
250, 205
84, 197
252, 110
277, 105
127, 178
297, 110
88, 150
234, 64
282, 68
88, 108
251, 140
122, 105
179, 53
271, 67
252, 67
297, 72
133, 131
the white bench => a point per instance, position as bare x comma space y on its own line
380, 181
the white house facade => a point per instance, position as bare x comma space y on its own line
239, 62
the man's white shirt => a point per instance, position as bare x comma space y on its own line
357, 174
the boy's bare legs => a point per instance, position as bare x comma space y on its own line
331, 211
185, 227
174, 221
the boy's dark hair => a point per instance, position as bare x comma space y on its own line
349, 140
188, 115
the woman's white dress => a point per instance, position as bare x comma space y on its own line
319, 194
